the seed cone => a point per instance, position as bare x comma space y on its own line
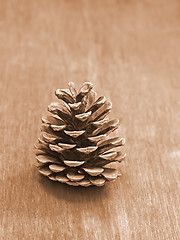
74, 147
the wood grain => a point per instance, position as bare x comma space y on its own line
130, 51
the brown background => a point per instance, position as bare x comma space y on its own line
130, 50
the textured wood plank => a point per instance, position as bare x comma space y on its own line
130, 51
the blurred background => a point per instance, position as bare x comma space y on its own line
130, 51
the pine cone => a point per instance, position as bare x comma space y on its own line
73, 147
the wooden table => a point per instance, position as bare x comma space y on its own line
130, 50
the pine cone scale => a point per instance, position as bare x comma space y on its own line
73, 163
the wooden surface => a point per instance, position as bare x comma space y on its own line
130, 50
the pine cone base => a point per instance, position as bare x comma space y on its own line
74, 147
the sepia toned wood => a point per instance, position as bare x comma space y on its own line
130, 51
